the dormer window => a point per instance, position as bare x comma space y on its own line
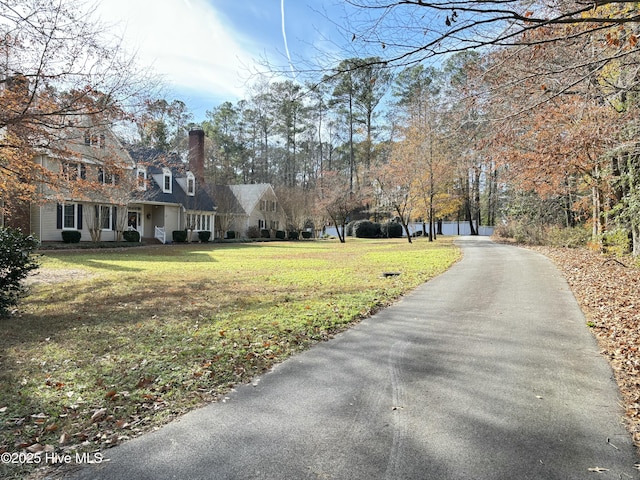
141, 178
191, 184
166, 180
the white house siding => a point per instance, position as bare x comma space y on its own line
35, 218
172, 219
240, 224
48, 229
44, 225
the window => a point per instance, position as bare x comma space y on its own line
142, 178
261, 224
73, 171
107, 178
92, 139
191, 184
198, 222
69, 216
105, 217
166, 182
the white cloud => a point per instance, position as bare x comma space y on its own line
185, 41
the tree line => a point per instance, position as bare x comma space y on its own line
362, 140
517, 114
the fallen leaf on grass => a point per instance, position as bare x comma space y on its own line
98, 415
52, 427
122, 423
144, 382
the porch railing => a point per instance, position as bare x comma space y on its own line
161, 234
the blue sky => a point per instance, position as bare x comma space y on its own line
205, 50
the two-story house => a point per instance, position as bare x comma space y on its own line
105, 189
169, 195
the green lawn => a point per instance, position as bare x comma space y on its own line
154, 331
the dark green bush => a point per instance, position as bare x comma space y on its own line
294, 235
180, 236
71, 236
280, 234
264, 233
366, 229
16, 261
349, 228
306, 234
253, 232
391, 230
230, 235
131, 236
204, 236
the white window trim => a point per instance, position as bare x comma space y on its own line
107, 175
109, 209
200, 221
73, 170
191, 184
141, 179
75, 216
166, 173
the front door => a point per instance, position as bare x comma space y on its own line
135, 221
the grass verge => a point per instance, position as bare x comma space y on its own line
146, 334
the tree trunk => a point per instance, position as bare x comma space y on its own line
405, 225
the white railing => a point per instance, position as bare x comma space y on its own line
161, 235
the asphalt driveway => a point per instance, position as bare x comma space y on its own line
486, 372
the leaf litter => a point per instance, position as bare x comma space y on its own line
608, 293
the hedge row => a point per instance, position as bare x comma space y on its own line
369, 229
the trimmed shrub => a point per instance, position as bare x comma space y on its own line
366, 229
230, 235
391, 230
253, 232
131, 236
264, 233
294, 235
17, 260
179, 236
281, 234
306, 234
71, 236
204, 236
348, 229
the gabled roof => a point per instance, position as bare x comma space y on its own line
155, 161
226, 200
249, 195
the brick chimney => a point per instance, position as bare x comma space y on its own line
196, 154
